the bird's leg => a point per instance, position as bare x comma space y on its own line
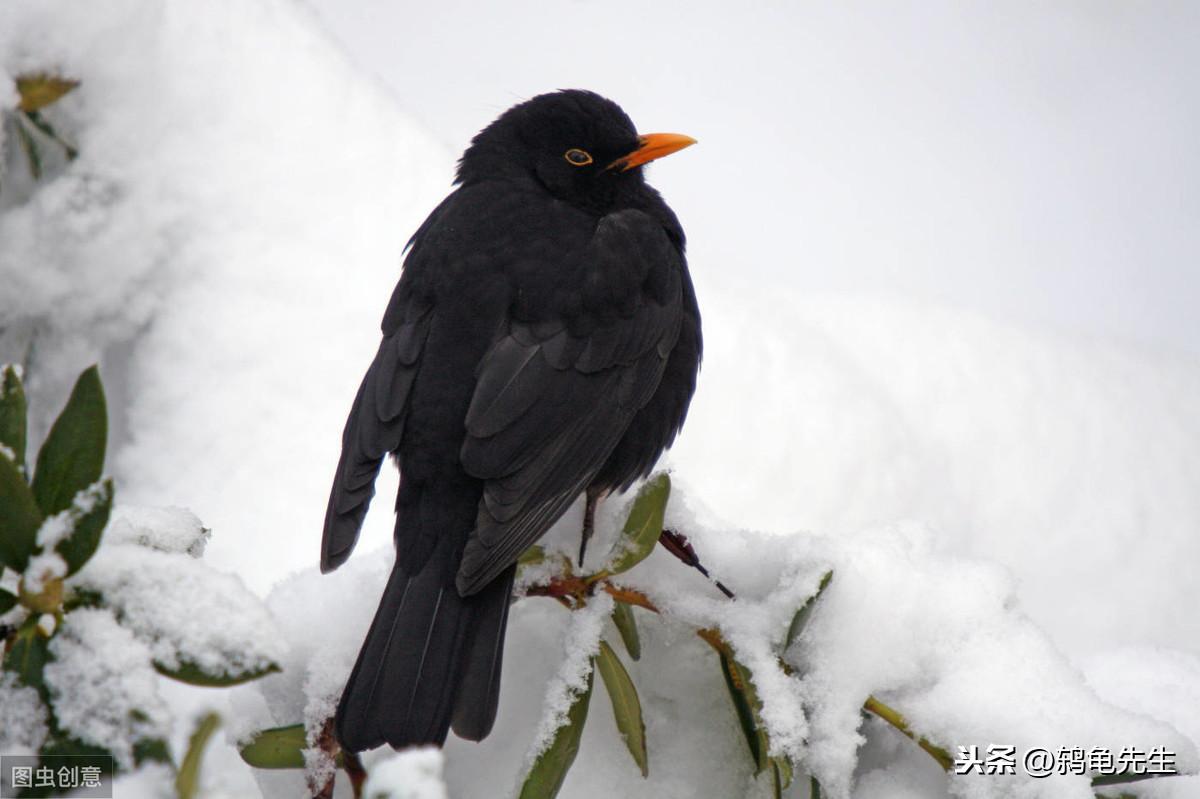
589, 519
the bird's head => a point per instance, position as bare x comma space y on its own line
579, 146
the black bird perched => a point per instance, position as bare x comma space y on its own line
542, 343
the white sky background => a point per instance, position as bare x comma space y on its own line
1035, 161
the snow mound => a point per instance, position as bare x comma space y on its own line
183, 610
1072, 462
102, 685
225, 244
166, 529
413, 774
937, 635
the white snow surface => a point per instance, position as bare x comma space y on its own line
43, 567
102, 685
412, 774
225, 244
581, 642
167, 529
938, 635
24, 727
185, 611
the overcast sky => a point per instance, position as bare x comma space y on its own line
1038, 161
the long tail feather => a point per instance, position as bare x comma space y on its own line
431, 657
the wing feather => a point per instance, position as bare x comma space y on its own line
553, 398
373, 429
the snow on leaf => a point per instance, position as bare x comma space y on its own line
24, 728
165, 529
574, 674
75, 531
102, 685
196, 621
549, 770
41, 570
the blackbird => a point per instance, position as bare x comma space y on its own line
543, 343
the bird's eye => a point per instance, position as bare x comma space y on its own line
577, 157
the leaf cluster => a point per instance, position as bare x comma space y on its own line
52, 519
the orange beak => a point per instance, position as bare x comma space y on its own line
652, 146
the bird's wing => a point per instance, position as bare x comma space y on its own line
553, 398
375, 423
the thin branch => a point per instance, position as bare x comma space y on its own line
677, 544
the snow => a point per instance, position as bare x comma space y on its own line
413, 774
167, 529
1005, 510
43, 568
62, 524
24, 715
939, 635
580, 644
1072, 462
1162, 682
237, 210
181, 608
102, 685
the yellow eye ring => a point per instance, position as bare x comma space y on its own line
577, 157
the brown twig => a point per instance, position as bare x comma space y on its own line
327, 743
677, 544
629, 596
355, 771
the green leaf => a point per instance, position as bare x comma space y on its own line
78, 547
29, 146
12, 413
786, 771
187, 779
82, 598
550, 770
73, 456
805, 612
626, 624
152, 750
781, 775
532, 555
19, 518
28, 654
627, 708
644, 524
35, 118
39, 91
748, 707
7, 601
192, 674
814, 788
278, 747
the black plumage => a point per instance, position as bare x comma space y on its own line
543, 340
